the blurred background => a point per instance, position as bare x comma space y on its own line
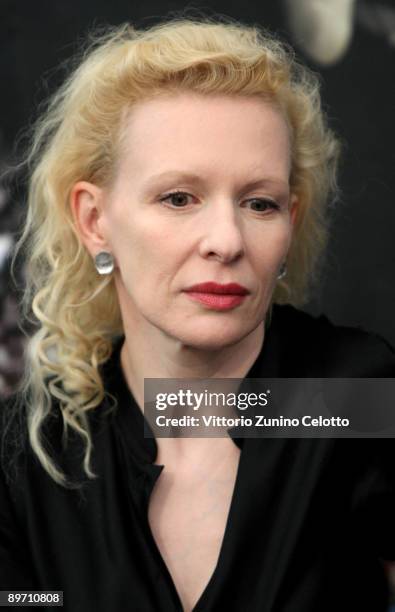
351, 43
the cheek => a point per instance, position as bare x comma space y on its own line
130, 241
141, 247
270, 247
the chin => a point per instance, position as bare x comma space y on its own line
212, 338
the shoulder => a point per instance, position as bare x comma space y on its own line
13, 444
324, 349
13, 436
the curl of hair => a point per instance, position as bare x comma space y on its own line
78, 137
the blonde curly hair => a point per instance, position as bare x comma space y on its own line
77, 137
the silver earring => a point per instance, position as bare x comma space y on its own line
104, 262
282, 272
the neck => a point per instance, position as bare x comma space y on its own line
155, 355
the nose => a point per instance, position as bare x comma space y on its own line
222, 236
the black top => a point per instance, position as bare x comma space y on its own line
308, 521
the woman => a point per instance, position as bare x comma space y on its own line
193, 152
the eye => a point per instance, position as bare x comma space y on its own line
263, 204
177, 198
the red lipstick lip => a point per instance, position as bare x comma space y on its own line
211, 287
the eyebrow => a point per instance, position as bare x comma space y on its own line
195, 178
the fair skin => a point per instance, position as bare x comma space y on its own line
217, 234
221, 228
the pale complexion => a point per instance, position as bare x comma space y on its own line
217, 231
233, 223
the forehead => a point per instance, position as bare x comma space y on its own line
193, 128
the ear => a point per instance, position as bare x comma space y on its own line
293, 208
86, 202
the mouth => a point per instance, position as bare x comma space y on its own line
217, 288
216, 296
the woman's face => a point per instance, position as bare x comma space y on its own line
230, 221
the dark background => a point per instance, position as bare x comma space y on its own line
358, 285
